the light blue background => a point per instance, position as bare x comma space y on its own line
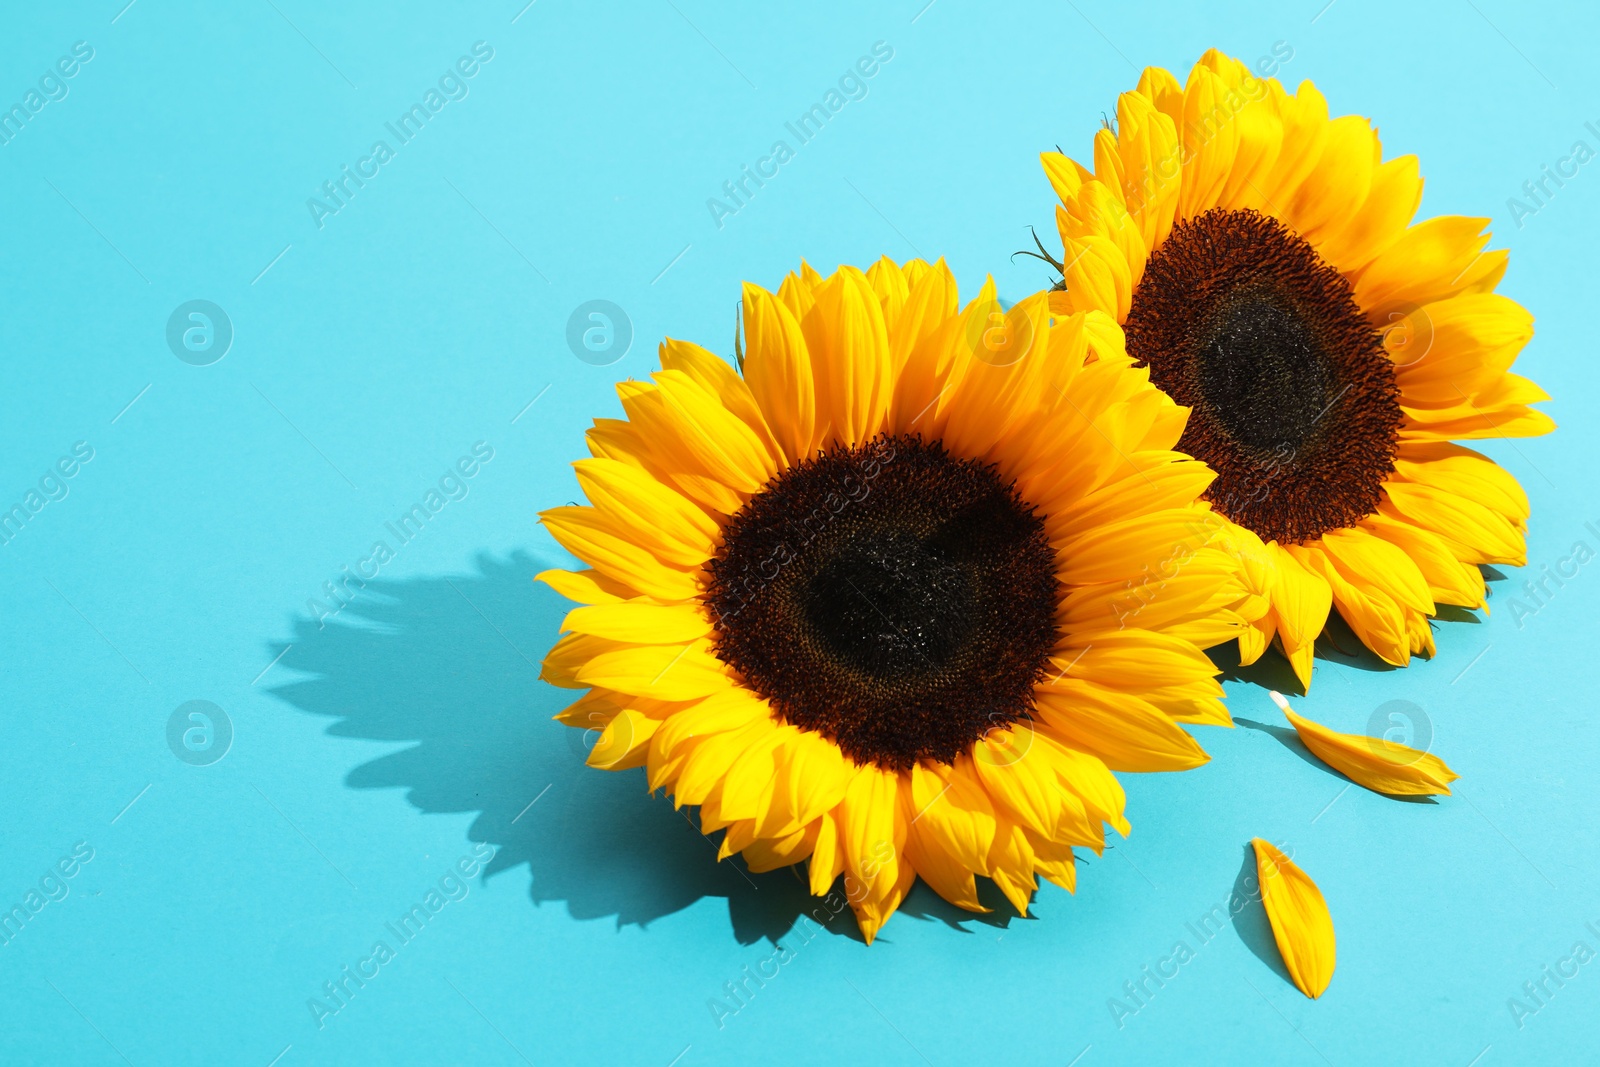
429, 312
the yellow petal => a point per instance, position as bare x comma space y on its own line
569, 654
1211, 139
1161, 87
797, 291
1395, 195
596, 540
1054, 860
716, 376
999, 384
592, 710
625, 742
946, 839
1122, 730
849, 346
663, 672
1066, 177
1254, 639
651, 439
768, 855
745, 789
812, 776
1449, 580
778, 368
730, 710
1022, 784
1375, 617
827, 858
1477, 534
1168, 485
723, 444
586, 586
1369, 560
1466, 473
892, 286
1134, 660
1299, 916
1095, 271
1151, 166
931, 300
870, 838
1432, 260
1304, 116
1377, 763
1333, 192
707, 762
680, 534
638, 623
1088, 778
1301, 601
1010, 865
1480, 418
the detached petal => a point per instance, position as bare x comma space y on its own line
1380, 765
1299, 916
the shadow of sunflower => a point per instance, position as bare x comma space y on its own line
451, 665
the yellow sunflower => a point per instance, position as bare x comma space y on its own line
898, 594
1262, 259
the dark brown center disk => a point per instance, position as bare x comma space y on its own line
1294, 400
893, 598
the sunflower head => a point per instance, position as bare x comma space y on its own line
896, 597
1263, 260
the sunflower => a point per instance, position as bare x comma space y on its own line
1262, 259
897, 595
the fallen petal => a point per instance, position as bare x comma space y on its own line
1299, 916
1380, 765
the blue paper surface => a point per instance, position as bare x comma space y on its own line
389, 363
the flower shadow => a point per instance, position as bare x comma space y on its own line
1290, 740
449, 666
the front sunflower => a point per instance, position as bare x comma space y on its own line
853, 604
1261, 259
